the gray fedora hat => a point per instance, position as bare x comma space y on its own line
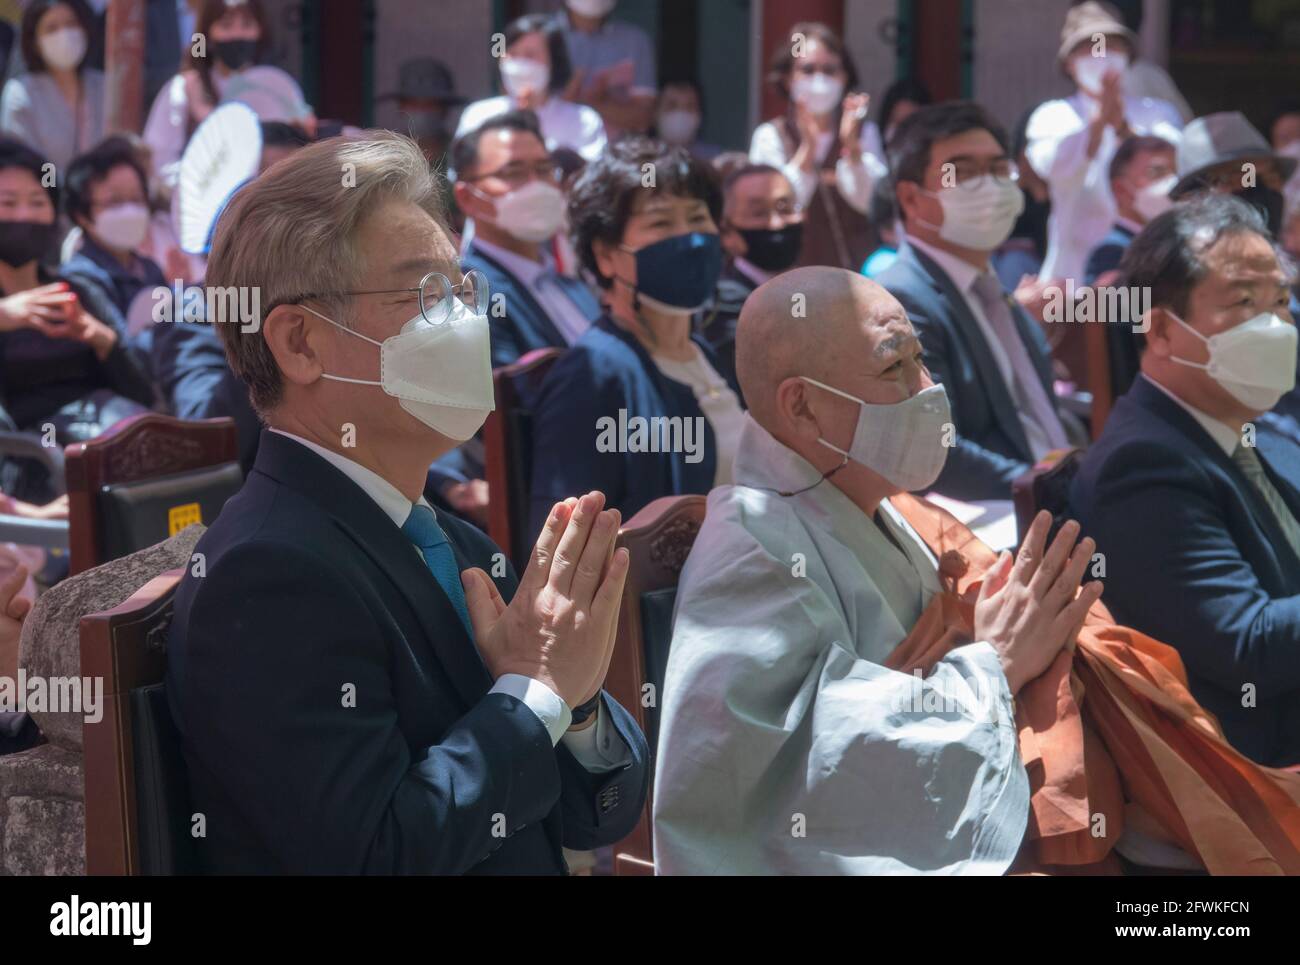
1216, 138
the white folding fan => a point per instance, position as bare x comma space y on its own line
223, 154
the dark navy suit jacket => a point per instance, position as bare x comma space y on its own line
991, 449
312, 596
523, 325
605, 371
1123, 344
1195, 559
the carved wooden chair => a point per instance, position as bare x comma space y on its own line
145, 479
136, 787
508, 445
659, 538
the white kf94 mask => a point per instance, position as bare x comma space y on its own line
902, 442
1253, 361
441, 373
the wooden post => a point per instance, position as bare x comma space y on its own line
124, 66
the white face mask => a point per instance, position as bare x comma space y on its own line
441, 373
519, 74
819, 93
1089, 70
979, 218
532, 213
678, 127
902, 442
64, 48
1153, 200
591, 8
1254, 361
123, 226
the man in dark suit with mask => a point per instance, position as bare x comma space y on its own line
360, 683
956, 188
1192, 497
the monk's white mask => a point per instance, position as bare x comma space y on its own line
903, 442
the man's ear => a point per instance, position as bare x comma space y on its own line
291, 333
471, 203
1157, 333
906, 194
792, 409
1121, 192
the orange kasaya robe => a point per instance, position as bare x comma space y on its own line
1110, 732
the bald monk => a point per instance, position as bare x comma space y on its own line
786, 745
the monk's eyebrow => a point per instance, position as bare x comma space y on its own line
893, 345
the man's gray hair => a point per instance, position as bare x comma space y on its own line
289, 234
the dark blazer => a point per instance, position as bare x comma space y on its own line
606, 371
991, 449
1108, 253
524, 324
189, 363
1195, 559
335, 714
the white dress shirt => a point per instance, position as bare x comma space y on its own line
598, 748
853, 178
564, 124
1224, 436
1083, 208
963, 275
717, 402
539, 277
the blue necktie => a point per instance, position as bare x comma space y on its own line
422, 529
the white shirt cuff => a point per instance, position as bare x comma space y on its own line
553, 712
599, 748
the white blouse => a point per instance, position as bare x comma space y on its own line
716, 400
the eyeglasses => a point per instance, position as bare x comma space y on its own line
435, 293
971, 178
517, 173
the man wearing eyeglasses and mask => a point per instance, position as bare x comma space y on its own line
360, 683
956, 188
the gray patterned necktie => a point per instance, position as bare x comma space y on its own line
1248, 462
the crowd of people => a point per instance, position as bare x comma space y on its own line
863, 305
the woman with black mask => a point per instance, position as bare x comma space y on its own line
230, 37
64, 360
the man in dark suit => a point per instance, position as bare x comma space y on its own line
1192, 497
1141, 176
956, 188
508, 183
762, 234
354, 691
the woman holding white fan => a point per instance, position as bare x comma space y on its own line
534, 72
824, 144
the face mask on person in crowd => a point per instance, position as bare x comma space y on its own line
123, 226
1153, 200
235, 54
1254, 361
63, 49
902, 442
1089, 70
442, 374
519, 74
979, 218
819, 93
772, 249
678, 127
531, 213
24, 241
591, 8
678, 274
1269, 203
